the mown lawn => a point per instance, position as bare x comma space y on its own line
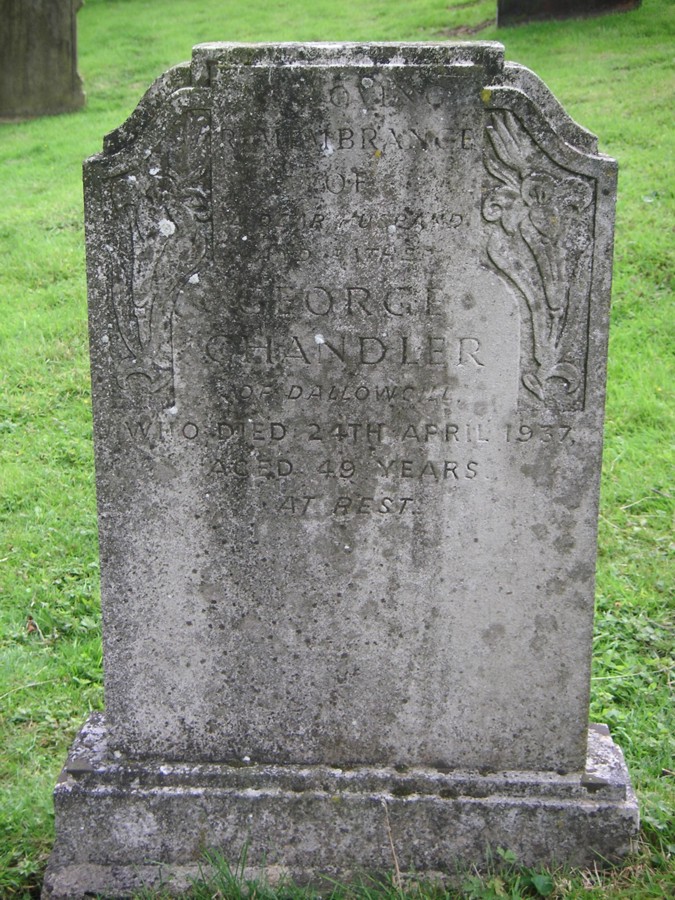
614, 74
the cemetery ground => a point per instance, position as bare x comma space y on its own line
614, 75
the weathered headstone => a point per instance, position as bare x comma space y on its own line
348, 312
38, 58
513, 12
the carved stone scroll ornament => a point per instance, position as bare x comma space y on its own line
541, 242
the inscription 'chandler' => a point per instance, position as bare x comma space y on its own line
360, 350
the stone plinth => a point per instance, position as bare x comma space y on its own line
146, 824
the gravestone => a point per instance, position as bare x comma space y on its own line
513, 12
38, 58
348, 319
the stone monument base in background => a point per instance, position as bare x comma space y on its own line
38, 58
516, 12
123, 824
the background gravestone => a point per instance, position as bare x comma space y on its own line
512, 12
348, 317
38, 58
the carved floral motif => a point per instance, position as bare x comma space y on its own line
541, 242
163, 216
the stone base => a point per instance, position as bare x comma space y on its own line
124, 824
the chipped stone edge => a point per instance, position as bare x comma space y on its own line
90, 764
558, 118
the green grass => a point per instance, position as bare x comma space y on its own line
614, 75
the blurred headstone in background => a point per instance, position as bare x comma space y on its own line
38, 58
511, 12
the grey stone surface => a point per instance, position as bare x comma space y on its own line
348, 319
38, 58
512, 12
147, 822
348, 324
